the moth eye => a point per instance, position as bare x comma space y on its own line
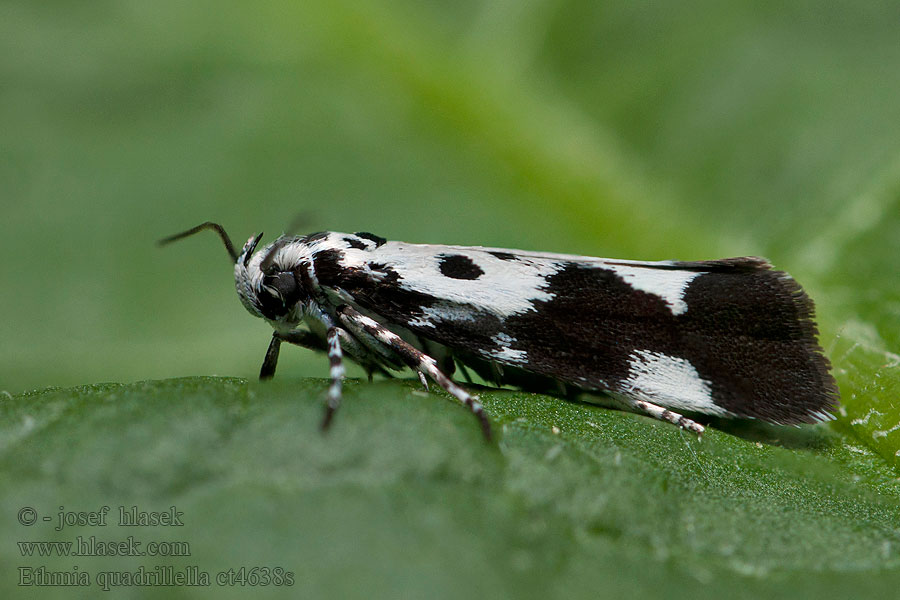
279, 292
283, 284
273, 292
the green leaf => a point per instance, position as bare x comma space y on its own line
403, 497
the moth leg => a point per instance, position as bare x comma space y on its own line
415, 359
303, 338
337, 371
664, 414
267, 371
370, 346
497, 372
351, 347
299, 337
423, 380
465, 372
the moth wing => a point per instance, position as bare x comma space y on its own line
735, 263
730, 336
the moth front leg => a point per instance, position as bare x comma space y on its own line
267, 371
298, 337
415, 359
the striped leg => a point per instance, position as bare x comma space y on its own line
664, 414
416, 359
423, 380
336, 360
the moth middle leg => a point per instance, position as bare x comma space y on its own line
337, 372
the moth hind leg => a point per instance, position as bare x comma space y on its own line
660, 412
423, 380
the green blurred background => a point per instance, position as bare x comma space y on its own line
645, 130
642, 130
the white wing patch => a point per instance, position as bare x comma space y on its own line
506, 287
667, 284
432, 315
670, 381
510, 356
505, 353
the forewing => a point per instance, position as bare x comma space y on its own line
729, 337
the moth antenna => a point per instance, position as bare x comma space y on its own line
208, 225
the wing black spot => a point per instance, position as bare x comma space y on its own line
379, 241
328, 266
355, 243
503, 255
391, 277
457, 266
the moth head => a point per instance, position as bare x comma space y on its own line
267, 287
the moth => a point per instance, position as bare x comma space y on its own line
727, 338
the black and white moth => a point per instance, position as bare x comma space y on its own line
728, 338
